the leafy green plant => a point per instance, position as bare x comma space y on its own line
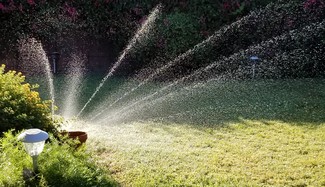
60, 164
20, 105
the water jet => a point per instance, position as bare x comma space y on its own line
283, 44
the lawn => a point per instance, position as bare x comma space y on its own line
237, 133
248, 153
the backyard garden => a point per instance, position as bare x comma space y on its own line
200, 93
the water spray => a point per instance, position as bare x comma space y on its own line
140, 35
36, 62
225, 61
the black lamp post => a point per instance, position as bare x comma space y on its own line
55, 58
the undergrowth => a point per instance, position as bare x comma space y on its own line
60, 164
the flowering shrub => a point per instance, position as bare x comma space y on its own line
20, 106
313, 4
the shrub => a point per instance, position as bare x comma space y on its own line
180, 32
59, 165
20, 106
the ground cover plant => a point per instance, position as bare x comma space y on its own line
60, 164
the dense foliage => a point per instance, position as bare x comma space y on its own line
59, 165
111, 18
20, 105
58, 22
234, 25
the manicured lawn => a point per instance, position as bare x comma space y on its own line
247, 153
248, 133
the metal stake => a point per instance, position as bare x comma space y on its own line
35, 166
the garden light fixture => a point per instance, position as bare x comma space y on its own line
55, 58
34, 141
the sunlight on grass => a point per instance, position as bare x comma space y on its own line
247, 153
234, 133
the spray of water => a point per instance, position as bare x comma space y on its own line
161, 70
76, 69
291, 40
35, 62
215, 38
140, 35
221, 65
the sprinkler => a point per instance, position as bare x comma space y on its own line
55, 58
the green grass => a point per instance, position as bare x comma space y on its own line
212, 103
247, 153
240, 133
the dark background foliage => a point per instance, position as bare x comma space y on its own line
66, 24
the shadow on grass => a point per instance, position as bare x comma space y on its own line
296, 101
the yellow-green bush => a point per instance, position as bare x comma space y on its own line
20, 105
